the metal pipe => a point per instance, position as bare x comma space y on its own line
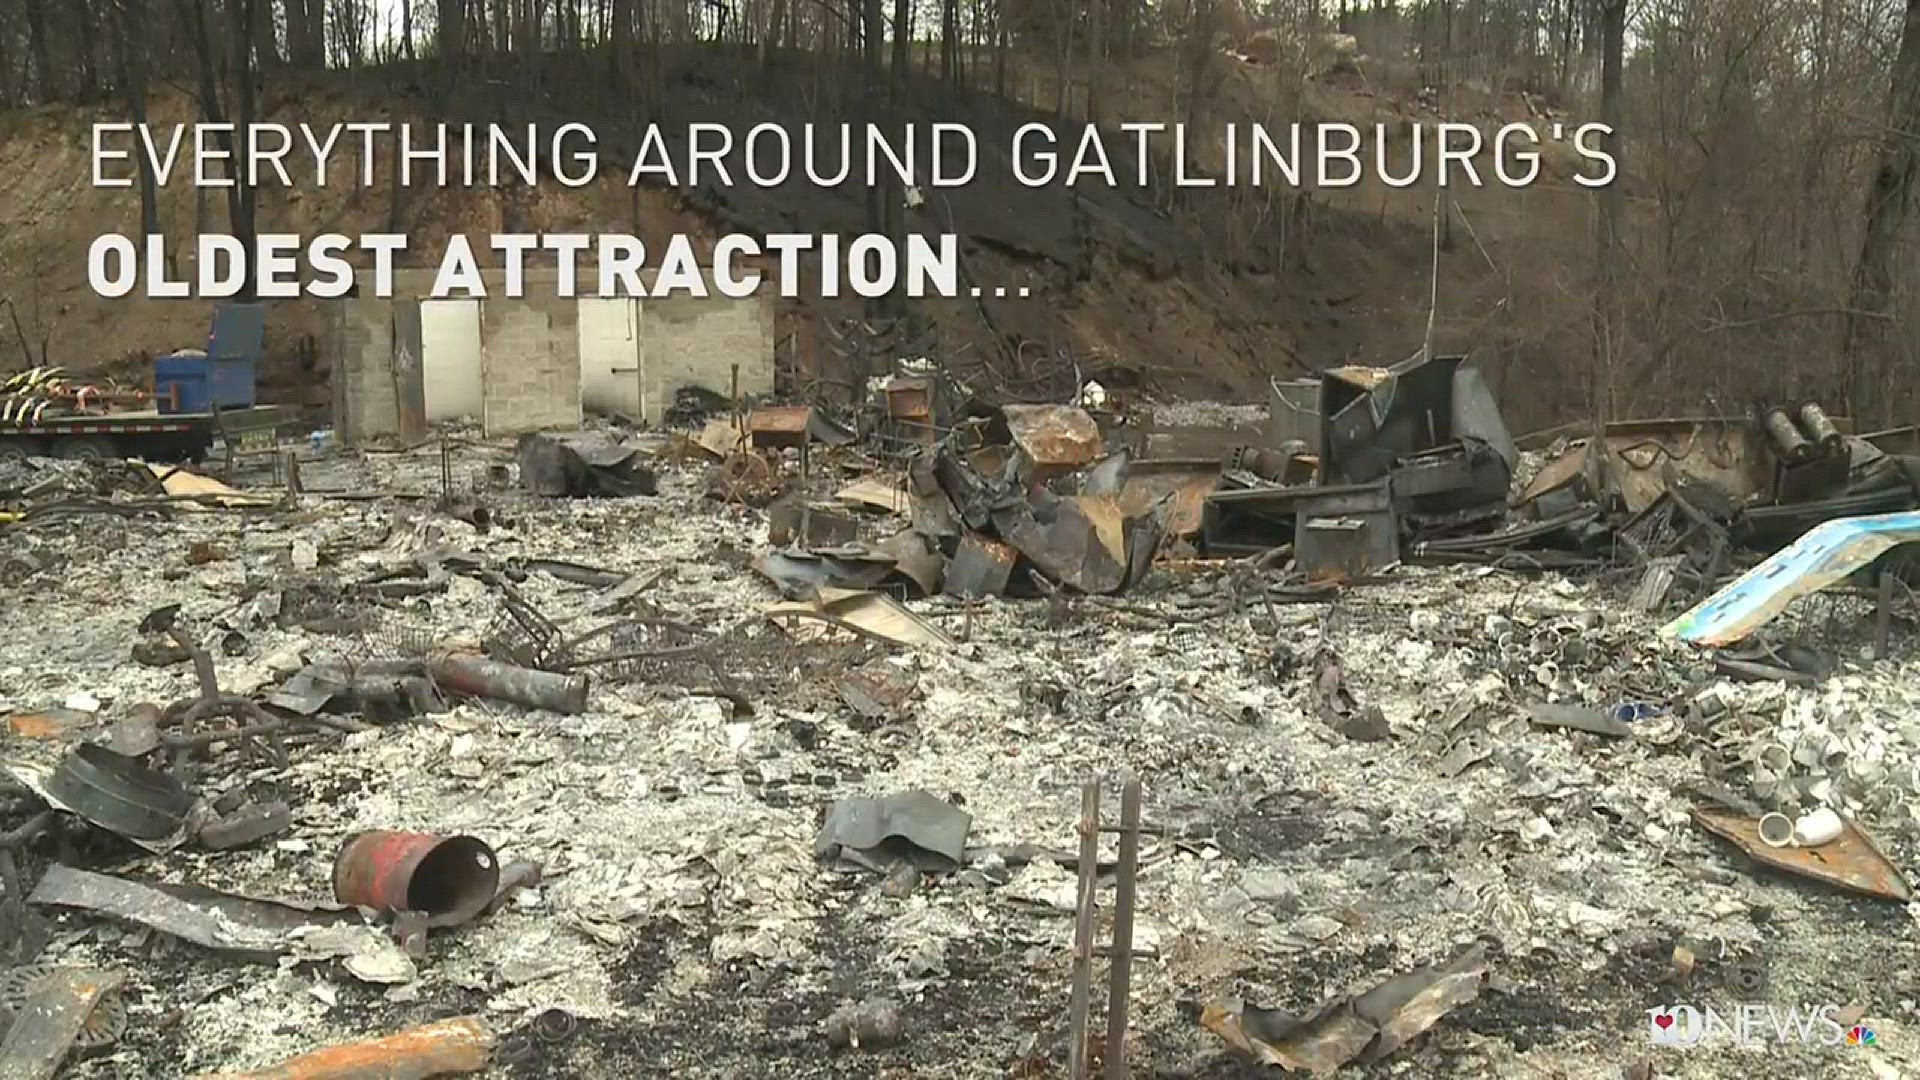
1122, 970
449, 879
1262, 462
1082, 994
476, 676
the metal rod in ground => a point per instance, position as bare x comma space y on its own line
1122, 967
1082, 999
1883, 614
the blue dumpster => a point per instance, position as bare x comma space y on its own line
222, 377
193, 382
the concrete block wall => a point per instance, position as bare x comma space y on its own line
691, 341
530, 366
365, 391
528, 371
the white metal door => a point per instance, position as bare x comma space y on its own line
450, 347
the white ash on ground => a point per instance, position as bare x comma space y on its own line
684, 919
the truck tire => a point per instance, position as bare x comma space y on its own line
21, 449
84, 449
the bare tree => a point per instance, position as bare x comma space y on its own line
130, 69
1889, 197
214, 69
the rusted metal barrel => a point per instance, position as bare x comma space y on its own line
1792, 446
449, 878
477, 676
1820, 427
1262, 462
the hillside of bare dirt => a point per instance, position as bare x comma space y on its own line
1188, 291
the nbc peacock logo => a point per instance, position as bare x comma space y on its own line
1860, 1035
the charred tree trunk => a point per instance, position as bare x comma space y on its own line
872, 37
239, 197
1890, 195
1613, 33
44, 87
527, 34
1607, 300
266, 45
1096, 56
306, 32
621, 38
245, 39
451, 29
1001, 47
770, 42
893, 190
130, 69
87, 30
949, 39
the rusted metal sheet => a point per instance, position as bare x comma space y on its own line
1163, 441
1638, 455
980, 567
809, 526
52, 1020
1827, 553
255, 929
1079, 542
1852, 862
779, 425
917, 559
1058, 438
910, 406
910, 398
1362, 1029
1293, 413
869, 614
1189, 481
1345, 533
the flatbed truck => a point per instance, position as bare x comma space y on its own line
147, 433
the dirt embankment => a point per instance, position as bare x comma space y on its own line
1191, 290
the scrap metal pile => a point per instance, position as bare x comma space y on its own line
1355, 472
43, 392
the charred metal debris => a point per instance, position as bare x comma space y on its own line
891, 526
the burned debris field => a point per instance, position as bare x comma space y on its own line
928, 737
